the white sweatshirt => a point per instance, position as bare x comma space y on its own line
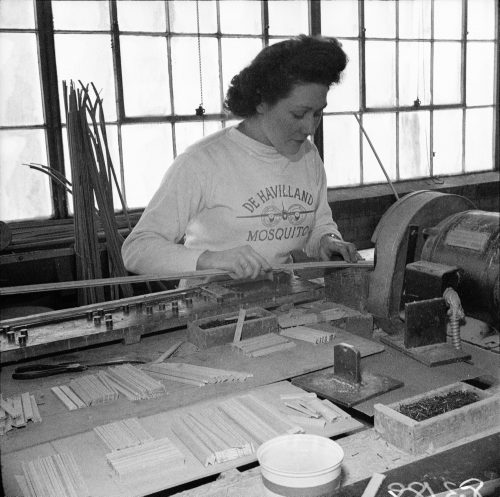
228, 190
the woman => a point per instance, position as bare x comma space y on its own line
248, 195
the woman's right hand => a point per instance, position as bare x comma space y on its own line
241, 262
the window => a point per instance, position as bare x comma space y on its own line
421, 79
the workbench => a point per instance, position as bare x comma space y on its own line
366, 452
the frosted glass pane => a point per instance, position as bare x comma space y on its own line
112, 135
24, 192
481, 19
480, 73
17, 14
447, 72
237, 53
341, 150
147, 154
188, 133
240, 16
414, 143
339, 18
448, 19
186, 75
478, 139
145, 75
380, 18
447, 143
20, 90
147, 15
183, 16
345, 95
87, 58
381, 128
414, 72
380, 60
414, 18
81, 14
290, 17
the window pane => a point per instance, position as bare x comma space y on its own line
448, 19
414, 19
24, 192
447, 72
481, 19
380, 18
339, 18
81, 14
345, 95
447, 143
290, 17
414, 145
186, 75
240, 16
77, 60
341, 150
17, 14
414, 72
380, 73
478, 139
147, 154
147, 15
20, 90
480, 73
145, 75
183, 16
188, 133
237, 53
112, 136
381, 128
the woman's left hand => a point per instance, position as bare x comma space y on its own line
329, 246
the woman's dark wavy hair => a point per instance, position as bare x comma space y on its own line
277, 68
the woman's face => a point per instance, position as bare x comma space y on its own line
287, 124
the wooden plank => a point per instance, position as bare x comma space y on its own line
239, 325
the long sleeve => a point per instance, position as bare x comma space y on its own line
323, 221
153, 245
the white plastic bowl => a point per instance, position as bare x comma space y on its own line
300, 465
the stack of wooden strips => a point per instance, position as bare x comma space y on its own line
134, 383
307, 410
54, 476
194, 375
230, 429
16, 412
308, 334
106, 386
123, 434
92, 176
135, 460
263, 345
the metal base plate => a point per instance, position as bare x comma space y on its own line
327, 384
430, 355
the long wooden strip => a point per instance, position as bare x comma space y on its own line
64, 285
239, 325
64, 398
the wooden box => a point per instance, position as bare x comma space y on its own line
418, 437
258, 321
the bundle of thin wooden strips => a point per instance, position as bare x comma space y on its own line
16, 412
92, 175
134, 383
55, 476
194, 375
263, 345
131, 461
123, 434
308, 334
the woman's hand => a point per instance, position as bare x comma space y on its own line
241, 262
330, 245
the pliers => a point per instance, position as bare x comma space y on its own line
42, 370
